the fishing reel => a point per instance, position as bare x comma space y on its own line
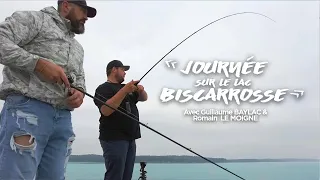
70, 79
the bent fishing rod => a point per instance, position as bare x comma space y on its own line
200, 30
134, 119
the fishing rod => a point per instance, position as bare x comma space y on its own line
185, 40
134, 119
197, 32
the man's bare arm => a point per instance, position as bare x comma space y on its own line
143, 96
116, 100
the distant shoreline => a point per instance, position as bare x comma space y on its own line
93, 158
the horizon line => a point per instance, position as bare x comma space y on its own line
214, 157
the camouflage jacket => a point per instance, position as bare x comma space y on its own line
25, 37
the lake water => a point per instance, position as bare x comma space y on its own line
205, 171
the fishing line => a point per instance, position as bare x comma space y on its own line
123, 113
197, 32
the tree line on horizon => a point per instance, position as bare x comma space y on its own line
177, 159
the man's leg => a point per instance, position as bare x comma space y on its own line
56, 155
114, 153
131, 156
24, 130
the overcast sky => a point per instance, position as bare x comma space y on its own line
140, 33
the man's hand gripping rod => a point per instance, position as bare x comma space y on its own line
189, 149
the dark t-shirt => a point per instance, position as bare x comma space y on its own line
117, 126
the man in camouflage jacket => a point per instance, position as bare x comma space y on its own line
38, 51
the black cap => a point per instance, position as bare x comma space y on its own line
117, 63
91, 12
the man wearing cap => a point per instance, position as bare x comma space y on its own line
118, 132
38, 51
